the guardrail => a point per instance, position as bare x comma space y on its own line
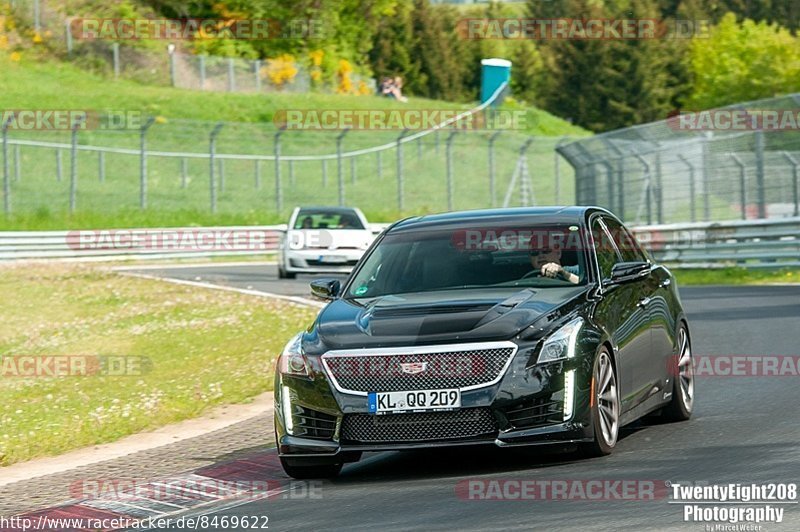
144, 244
770, 243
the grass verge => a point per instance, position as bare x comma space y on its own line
735, 276
193, 349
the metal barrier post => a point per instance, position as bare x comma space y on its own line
59, 166
212, 149
171, 53
101, 166
609, 184
143, 162
68, 35
400, 183
184, 171
706, 181
449, 163
257, 72
692, 193
742, 184
17, 163
6, 183
760, 186
795, 163
659, 191
231, 76
339, 164
73, 166
492, 169
278, 187
202, 64
646, 196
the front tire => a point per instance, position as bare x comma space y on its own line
605, 407
308, 472
682, 373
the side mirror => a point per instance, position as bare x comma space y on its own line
325, 288
625, 272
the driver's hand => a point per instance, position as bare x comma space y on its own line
551, 269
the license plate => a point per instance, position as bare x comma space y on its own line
332, 259
416, 401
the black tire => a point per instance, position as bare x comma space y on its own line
681, 371
605, 439
283, 274
308, 472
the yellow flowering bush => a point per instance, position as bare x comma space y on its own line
280, 70
343, 75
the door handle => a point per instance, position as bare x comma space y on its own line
643, 302
665, 283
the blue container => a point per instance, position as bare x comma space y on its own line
494, 72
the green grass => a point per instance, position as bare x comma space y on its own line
736, 276
205, 348
40, 200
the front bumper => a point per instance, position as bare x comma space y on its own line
321, 260
517, 406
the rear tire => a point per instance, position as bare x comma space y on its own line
308, 472
283, 274
682, 373
605, 407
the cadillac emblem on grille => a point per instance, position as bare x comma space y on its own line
412, 368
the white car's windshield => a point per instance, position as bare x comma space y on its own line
467, 258
322, 219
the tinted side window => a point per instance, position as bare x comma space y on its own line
604, 248
626, 244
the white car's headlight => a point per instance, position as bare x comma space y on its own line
561, 344
292, 360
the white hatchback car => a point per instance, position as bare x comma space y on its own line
323, 240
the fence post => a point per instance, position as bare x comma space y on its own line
795, 184
212, 148
646, 196
73, 167
115, 56
609, 183
557, 168
202, 60
492, 170
231, 76
692, 192
59, 165
6, 183
37, 16
339, 164
171, 53
400, 167
184, 171
760, 186
143, 162
706, 180
101, 166
659, 191
257, 72
742, 184
68, 35
258, 174
449, 163
17, 163
278, 187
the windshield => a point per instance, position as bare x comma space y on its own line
321, 219
467, 258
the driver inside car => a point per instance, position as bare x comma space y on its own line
547, 262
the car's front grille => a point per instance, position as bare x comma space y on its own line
535, 413
419, 368
312, 424
468, 423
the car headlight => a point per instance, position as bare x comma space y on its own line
561, 344
292, 360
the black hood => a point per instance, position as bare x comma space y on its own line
435, 317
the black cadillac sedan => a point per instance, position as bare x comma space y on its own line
505, 327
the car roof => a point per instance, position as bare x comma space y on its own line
550, 215
335, 210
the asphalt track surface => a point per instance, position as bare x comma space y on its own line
745, 430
